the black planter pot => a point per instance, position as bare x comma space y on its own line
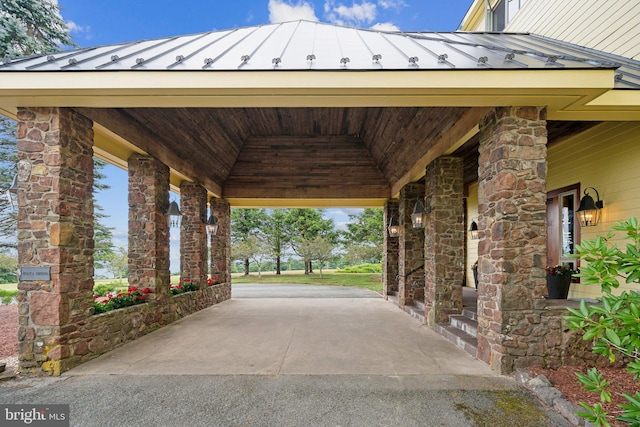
558, 286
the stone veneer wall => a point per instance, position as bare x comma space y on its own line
512, 231
221, 243
444, 239
390, 273
148, 227
411, 245
193, 236
104, 332
55, 231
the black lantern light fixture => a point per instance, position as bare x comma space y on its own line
212, 225
417, 217
394, 227
473, 229
174, 216
589, 210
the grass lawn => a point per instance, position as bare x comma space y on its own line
9, 286
372, 281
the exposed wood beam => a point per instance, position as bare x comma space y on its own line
119, 122
458, 131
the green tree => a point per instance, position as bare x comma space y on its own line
103, 235
8, 159
8, 268
322, 250
305, 225
117, 263
612, 325
30, 27
364, 236
253, 248
244, 223
277, 234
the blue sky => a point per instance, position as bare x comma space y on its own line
102, 22
99, 22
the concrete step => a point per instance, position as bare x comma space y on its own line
460, 338
415, 312
470, 312
465, 324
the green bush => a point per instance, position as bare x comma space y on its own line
612, 325
104, 289
7, 296
362, 268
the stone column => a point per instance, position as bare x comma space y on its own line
512, 229
193, 236
444, 239
221, 242
411, 244
390, 273
148, 226
55, 235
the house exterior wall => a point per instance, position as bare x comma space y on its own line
608, 25
607, 158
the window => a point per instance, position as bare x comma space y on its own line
503, 12
563, 231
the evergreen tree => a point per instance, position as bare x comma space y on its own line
102, 235
8, 159
29, 27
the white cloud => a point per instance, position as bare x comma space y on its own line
385, 26
282, 11
392, 4
357, 14
75, 28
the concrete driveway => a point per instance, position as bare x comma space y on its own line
288, 355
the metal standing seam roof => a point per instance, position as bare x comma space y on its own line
305, 45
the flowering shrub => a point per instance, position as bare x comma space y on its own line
112, 301
215, 280
184, 286
561, 270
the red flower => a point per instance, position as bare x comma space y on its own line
146, 290
132, 288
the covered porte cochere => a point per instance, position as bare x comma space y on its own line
293, 115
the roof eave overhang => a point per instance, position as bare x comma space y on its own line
561, 90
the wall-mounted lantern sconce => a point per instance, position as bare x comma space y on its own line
394, 227
174, 216
417, 217
473, 229
589, 211
212, 225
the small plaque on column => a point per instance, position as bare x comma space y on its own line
28, 274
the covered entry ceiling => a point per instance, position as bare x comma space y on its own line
294, 153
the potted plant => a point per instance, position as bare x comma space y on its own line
559, 280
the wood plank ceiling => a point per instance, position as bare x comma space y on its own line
302, 153
317, 153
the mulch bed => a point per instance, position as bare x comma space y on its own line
565, 380
8, 330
